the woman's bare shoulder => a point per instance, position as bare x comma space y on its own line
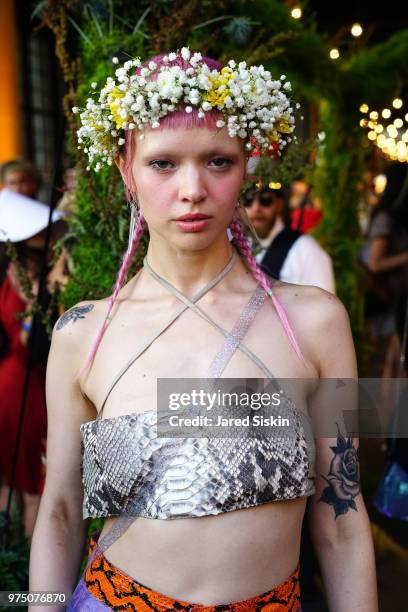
314, 301
81, 316
77, 327
318, 317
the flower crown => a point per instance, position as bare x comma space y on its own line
252, 105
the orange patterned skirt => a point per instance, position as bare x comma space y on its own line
118, 591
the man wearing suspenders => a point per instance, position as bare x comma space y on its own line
285, 253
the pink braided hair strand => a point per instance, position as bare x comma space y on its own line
240, 238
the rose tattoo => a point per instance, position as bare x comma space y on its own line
343, 478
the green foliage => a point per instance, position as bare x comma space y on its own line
294, 165
14, 558
381, 72
100, 224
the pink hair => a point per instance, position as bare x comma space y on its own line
174, 120
240, 238
127, 260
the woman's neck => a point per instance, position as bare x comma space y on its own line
187, 270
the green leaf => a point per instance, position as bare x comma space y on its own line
79, 30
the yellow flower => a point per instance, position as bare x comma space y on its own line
216, 97
274, 136
116, 94
283, 126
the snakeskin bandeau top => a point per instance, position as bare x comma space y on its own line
127, 468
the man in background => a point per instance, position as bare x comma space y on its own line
284, 253
22, 177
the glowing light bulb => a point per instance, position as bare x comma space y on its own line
373, 115
379, 128
386, 113
356, 30
296, 12
380, 182
363, 123
364, 108
334, 53
392, 131
398, 122
397, 103
372, 135
406, 117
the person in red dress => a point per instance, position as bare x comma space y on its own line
13, 364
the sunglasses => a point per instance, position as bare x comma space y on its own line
264, 199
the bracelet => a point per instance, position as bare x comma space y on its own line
26, 326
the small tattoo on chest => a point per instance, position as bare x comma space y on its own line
73, 314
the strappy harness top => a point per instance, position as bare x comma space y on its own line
127, 469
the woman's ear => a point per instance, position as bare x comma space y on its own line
119, 162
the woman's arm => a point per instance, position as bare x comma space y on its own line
379, 261
59, 536
339, 525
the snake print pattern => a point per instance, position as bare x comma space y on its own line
128, 469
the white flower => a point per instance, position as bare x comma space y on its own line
254, 104
115, 60
94, 84
196, 59
75, 110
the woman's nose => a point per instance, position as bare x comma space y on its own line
192, 185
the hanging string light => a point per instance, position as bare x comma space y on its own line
296, 12
391, 136
356, 30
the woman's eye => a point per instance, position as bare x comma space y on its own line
160, 164
221, 162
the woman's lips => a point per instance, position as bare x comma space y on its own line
192, 223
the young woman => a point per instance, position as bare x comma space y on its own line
207, 523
